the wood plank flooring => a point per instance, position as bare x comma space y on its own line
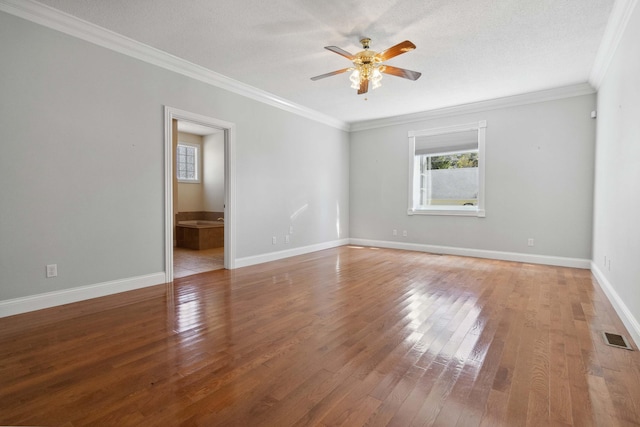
343, 337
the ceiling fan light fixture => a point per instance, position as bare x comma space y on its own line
362, 72
368, 65
376, 77
355, 79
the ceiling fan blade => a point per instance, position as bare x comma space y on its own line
364, 87
333, 73
400, 72
400, 48
340, 51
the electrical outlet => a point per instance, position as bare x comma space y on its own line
404, 233
286, 238
530, 242
291, 229
394, 232
274, 240
52, 270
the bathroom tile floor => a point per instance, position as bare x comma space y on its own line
189, 261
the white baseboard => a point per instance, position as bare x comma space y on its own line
66, 296
630, 322
478, 253
274, 256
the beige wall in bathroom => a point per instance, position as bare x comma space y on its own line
191, 196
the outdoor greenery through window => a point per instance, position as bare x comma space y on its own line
447, 170
187, 163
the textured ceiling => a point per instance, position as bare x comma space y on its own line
467, 50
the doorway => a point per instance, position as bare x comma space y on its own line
213, 130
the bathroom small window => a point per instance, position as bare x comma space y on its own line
188, 162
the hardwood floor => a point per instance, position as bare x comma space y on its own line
346, 336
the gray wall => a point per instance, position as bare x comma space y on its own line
617, 183
539, 182
81, 172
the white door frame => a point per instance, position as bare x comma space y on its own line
170, 114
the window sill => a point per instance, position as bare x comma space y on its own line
449, 210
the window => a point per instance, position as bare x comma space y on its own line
188, 162
447, 170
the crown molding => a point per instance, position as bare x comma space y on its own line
475, 107
618, 20
81, 29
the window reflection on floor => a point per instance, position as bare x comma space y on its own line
188, 261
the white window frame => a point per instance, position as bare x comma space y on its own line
198, 163
479, 210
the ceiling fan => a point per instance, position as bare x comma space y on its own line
368, 65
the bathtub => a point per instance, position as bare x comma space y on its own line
200, 234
